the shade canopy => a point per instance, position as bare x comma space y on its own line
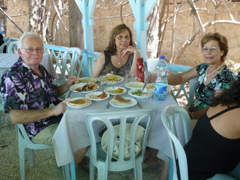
140, 9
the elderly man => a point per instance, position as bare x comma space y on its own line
31, 97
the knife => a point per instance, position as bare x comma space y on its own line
108, 104
138, 103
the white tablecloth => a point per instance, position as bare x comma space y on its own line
72, 134
8, 59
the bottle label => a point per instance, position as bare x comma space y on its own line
140, 72
160, 91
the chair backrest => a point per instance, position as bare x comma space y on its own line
135, 117
4, 46
173, 117
71, 64
12, 47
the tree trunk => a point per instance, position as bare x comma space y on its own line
75, 24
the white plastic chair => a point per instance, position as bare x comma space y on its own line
69, 67
104, 161
169, 116
12, 47
4, 45
25, 143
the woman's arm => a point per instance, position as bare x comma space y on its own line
99, 65
180, 78
134, 64
132, 50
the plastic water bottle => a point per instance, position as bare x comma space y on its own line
161, 82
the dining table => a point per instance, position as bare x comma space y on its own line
8, 59
72, 134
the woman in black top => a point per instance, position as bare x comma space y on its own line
120, 54
214, 147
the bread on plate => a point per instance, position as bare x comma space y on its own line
120, 99
79, 102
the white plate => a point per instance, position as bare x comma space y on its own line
87, 80
145, 94
93, 96
80, 85
105, 80
123, 105
134, 85
78, 106
138, 85
114, 88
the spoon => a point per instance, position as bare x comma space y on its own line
143, 88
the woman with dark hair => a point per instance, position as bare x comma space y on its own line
214, 147
120, 54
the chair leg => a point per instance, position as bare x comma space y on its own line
66, 173
30, 157
92, 171
73, 170
170, 174
102, 171
21, 161
138, 169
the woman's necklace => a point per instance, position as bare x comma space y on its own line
206, 75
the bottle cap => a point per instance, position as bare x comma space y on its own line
140, 59
162, 57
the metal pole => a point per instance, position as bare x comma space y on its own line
4, 13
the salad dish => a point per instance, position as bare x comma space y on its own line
137, 93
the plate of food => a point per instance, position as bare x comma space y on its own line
79, 102
84, 87
110, 79
137, 93
88, 80
97, 96
138, 85
122, 102
115, 90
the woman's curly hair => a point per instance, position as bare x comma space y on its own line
229, 96
222, 42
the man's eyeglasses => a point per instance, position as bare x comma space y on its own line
31, 50
120, 37
211, 49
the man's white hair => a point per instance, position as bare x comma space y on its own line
27, 34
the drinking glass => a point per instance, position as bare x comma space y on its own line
128, 76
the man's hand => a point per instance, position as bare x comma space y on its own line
72, 80
60, 108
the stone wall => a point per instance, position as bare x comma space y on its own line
106, 18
